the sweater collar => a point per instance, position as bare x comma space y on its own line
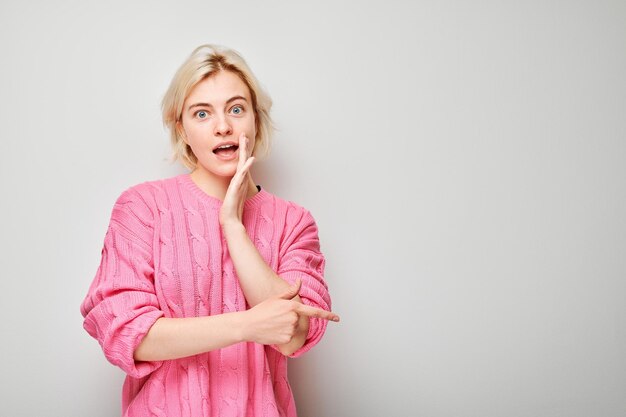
185, 180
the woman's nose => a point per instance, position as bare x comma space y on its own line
222, 127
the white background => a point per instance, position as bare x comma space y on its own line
465, 163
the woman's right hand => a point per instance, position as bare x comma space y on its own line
275, 320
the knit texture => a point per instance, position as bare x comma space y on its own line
164, 255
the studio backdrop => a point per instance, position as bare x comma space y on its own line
464, 162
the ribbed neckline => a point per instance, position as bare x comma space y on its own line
186, 180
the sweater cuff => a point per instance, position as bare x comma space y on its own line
122, 354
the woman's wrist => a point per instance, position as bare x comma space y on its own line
243, 326
232, 226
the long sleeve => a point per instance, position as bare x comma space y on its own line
300, 257
121, 304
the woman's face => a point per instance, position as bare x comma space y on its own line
216, 112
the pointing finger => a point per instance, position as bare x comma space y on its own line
316, 312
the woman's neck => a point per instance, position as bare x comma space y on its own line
216, 186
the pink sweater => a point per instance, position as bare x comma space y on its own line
164, 256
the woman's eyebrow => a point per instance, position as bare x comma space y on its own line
210, 105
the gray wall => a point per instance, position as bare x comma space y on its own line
464, 162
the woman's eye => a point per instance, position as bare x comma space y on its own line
202, 114
237, 109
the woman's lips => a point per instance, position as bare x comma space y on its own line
227, 155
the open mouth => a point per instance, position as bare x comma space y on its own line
226, 150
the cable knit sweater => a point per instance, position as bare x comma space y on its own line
164, 255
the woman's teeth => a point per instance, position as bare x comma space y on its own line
226, 148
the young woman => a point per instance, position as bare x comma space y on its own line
208, 282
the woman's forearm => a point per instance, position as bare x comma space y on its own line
173, 338
257, 280
275, 321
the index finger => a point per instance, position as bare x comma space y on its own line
316, 312
243, 150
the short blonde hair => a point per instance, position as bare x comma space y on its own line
205, 61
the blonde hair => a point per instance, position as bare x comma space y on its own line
205, 61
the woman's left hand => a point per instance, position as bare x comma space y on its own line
232, 207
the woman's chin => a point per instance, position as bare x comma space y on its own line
223, 170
